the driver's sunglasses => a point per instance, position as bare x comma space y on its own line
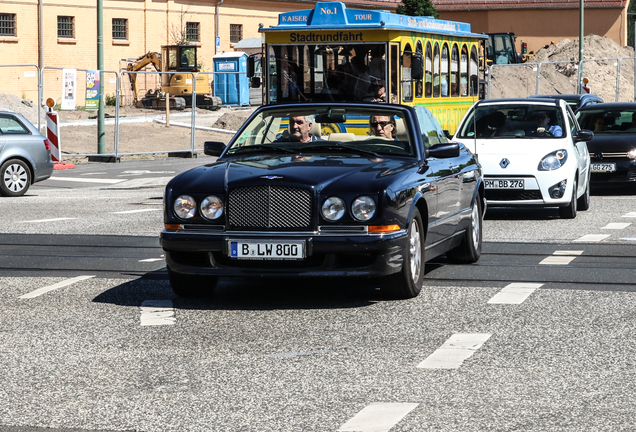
382, 124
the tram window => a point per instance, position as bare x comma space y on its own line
428, 71
394, 61
474, 72
454, 79
444, 71
377, 65
418, 82
407, 91
436, 70
463, 72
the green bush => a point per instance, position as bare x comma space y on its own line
110, 100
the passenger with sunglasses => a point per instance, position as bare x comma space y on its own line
382, 126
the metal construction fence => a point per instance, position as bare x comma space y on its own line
563, 77
188, 144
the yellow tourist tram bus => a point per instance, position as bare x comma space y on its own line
332, 53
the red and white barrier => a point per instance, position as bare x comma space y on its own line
53, 134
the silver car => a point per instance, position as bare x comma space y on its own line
25, 154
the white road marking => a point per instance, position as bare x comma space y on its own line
616, 226
40, 291
87, 180
157, 312
628, 238
378, 417
151, 259
48, 220
630, 214
137, 211
455, 350
557, 260
592, 238
515, 293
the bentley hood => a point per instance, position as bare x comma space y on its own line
313, 171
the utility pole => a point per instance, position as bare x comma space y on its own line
578, 87
101, 148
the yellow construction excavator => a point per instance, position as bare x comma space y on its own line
179, 61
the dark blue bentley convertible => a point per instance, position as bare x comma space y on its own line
325, 190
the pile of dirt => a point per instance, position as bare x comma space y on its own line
562, 76
29, 109
232, 120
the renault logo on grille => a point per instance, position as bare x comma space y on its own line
272, 177
504, 163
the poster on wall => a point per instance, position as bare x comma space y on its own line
69, 86
92, 90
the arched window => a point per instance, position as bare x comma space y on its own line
407, 90
463, 72
428, 71
436, 70
418, 83
444, 78
474, 72
454, 78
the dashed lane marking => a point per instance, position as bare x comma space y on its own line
592, 238
455, 351
378, 417
137, 211
157, 312
630, 215
151, 259
40, 291
616, 226
49, 220
563, 257
87, 180
515, 293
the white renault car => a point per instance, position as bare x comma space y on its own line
532, 151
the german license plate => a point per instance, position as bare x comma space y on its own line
603, 167
505, 184
267, 250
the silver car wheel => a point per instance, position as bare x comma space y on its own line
476, 226
415, 251
15, 177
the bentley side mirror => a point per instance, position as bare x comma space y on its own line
213, 148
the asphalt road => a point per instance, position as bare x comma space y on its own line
536, 336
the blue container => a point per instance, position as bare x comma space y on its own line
232, 85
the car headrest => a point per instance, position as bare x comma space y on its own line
400, 130
315, 129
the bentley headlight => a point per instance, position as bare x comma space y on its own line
185, 207
631, 154
554, 160
212, 207
363, 208
333, 208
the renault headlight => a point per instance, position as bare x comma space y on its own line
185, 207
554, 160
333, 208
363, 208
212, 207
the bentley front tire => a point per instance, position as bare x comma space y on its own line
185, 285
407, 283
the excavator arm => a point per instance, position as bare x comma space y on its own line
139, 64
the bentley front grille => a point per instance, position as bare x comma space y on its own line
269, 207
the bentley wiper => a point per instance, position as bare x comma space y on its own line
262, 147
340, 147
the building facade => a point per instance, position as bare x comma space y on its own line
131, 28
